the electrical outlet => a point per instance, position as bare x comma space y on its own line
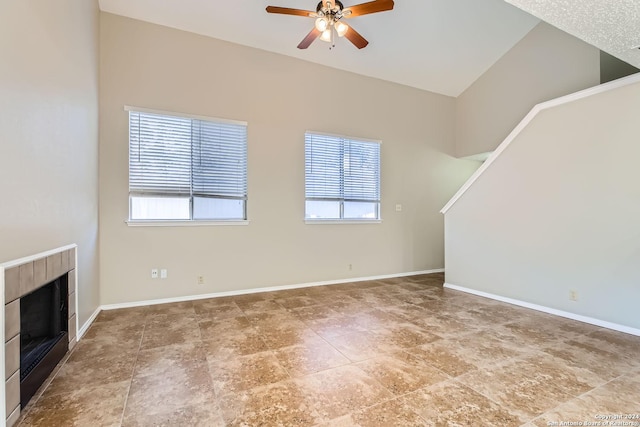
200, 280
573, 295
154, 273
163, 273
350, 267
398, 208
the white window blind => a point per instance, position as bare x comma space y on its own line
186, 168
342, 178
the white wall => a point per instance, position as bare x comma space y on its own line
49, 134
150, 66
558, 211
545, 64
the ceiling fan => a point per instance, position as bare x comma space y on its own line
329, 16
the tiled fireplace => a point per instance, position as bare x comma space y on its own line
39, 321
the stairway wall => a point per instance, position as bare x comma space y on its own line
558, 211
545, 64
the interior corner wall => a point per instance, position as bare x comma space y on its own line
546, 64
49, 134
557, 212
612, 68
152, 66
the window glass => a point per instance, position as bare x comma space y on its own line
159, 208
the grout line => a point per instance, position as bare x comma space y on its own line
574, 398
490, 399
133, 371
532, 349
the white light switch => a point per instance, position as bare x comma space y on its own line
163, 273
398, 208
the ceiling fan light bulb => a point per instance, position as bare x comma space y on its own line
322, 24
341, 28
326, 35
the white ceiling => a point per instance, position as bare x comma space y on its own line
611, 25
437, 45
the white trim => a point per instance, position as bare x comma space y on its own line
184, 115
549, 310
258, 290
342, 221
616, 84
83, 330
30, 258
182, 223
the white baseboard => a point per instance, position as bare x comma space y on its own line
85, 326
566, 314
258, 290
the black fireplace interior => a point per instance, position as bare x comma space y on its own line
43, 334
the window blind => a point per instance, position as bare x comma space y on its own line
159, 154
172, 156
341, 169
219, 159
175, 155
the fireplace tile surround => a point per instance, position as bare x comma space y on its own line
20, 278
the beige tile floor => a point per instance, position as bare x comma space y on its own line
402, 352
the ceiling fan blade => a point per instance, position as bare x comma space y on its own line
369, 7
289, 11
354, 37
310, 38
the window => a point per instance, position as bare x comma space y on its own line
342, 178
183, 168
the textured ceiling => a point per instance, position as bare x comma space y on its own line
437, 45
610, 25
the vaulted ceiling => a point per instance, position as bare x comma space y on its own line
437, 45
611, 25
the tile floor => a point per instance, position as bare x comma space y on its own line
402, 352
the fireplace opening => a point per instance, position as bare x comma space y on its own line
43, 334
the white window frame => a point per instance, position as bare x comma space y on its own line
185, 222
342, 219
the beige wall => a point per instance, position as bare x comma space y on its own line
546, 64
150, 66
558, 211
49, 134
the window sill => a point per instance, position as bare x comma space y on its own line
342, 221
183, 223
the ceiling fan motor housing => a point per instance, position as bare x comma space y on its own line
331, 11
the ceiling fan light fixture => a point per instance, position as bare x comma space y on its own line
322, 24
328, 20
341, 28
327, 35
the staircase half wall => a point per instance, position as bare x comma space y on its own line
552, 219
